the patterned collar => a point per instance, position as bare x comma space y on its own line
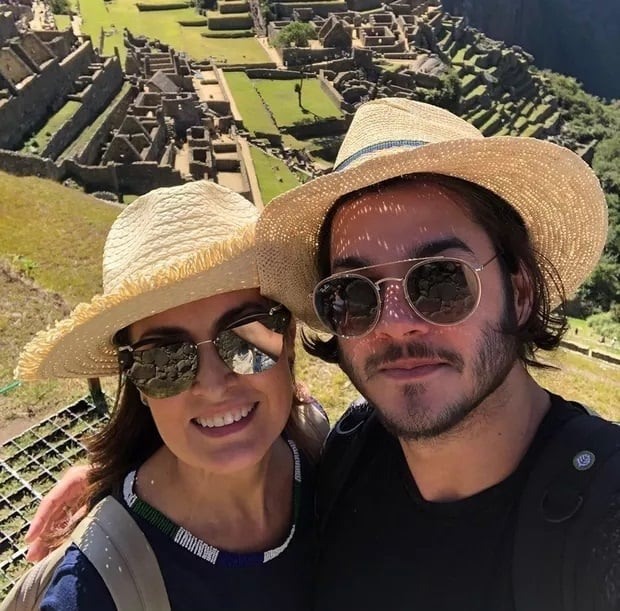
200, 548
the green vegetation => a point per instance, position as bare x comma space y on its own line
207, 33
229, 21
447, 95
280, 96
114, 15
273, 175
255, 116
297, 33
60, 7
40, 140
54, 236
607, 325
63, 22
65, 250
587, 117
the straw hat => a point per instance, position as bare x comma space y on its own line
554, 190
169, 247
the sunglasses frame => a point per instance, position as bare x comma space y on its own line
416, 263
125, 352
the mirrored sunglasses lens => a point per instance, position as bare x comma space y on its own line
346, 306
164, 371
254, 347
443, 292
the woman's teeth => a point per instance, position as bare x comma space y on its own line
224, 419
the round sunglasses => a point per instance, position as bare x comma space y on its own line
162, 368
443, 291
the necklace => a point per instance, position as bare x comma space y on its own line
200, 548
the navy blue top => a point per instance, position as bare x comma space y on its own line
283, 583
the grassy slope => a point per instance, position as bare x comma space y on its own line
115, 15
281, 98
273, 175
256, 119
51, 239
58, 230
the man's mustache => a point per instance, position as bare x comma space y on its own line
412, 350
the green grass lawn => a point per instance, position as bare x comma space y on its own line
53, 237
281, 98
55, 233
580, 333
63, 22
40, 140
255, 115
114, 15
273, 175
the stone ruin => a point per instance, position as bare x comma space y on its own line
41, 71
172, 120
411, 49
169, 122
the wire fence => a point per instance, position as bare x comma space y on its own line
30, 464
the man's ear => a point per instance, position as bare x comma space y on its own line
522, 290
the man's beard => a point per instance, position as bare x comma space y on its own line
495, 355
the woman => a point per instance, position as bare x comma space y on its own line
203, 449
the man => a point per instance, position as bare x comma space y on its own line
462, 484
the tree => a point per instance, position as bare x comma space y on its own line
298, 33
60, 7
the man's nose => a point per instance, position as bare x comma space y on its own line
397, 317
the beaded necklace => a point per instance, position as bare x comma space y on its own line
200, 548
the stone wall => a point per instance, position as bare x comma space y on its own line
143, 176
105, 85
77, 62
7, 25
43, 95
364, 5
91, 152
22, 164
296, 56
323, 9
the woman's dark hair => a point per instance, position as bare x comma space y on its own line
544, 327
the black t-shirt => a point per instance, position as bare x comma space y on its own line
386, 548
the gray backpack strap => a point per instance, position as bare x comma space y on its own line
27, 594
118, 549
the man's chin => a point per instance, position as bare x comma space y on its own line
423, 417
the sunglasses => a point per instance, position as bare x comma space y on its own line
443, 291
162, 368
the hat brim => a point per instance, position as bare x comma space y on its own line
81, 345
554, 190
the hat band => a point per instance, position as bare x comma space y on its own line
380, 146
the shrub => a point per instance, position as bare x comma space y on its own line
604, 324
298, 33
60, 7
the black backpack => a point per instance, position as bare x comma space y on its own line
566, 495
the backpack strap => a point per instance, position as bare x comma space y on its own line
566, 493
341, 452
27, 594
117, 548
120, 552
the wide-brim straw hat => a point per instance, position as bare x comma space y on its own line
167, 248
553, 189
